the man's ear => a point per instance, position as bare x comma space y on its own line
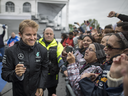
20, 34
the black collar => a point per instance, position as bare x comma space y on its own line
25, 46
88, 65
46, 43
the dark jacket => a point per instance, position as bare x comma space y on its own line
96, 88
123, 18
1, 39
114, 91
34, 59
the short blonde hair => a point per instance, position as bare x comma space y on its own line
27, 23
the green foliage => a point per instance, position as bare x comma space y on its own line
93, 22
71, 27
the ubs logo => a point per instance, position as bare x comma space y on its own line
20, 56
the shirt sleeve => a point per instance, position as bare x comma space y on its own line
20, 78
74, 76
123, 17
8, 69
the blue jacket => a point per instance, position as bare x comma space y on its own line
12, 39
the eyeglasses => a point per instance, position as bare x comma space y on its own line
90, 49
108, 46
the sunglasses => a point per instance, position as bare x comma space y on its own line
90, 49
110, 47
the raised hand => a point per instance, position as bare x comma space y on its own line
111, 14
92, 76
119, 64
70, 58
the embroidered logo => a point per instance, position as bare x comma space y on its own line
104, 79
38, 55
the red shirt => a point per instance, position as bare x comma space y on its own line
64, 43
70, 42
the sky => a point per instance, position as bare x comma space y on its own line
80, 10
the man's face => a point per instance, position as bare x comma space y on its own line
29, 36
70, 36
75, 33
48, 35
13, 35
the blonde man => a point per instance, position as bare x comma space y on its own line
25, 63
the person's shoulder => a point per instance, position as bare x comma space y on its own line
11, 49
40, 46
16, 37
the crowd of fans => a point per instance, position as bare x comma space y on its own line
96, 59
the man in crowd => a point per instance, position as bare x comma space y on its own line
69, 41
54, 49
75, 39
12, 39
1, 41
25, 63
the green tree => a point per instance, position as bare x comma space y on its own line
71, 27
94, 23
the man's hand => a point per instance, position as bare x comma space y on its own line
78, 24
66, 73
112, 14
70, 58
20, 69
93, 76
64, 53
39, 92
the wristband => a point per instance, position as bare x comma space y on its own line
115, 14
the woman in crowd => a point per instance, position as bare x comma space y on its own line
115, 46
84, 43
94, 56
64, 38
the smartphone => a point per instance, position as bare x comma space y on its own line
75, 22
69, 49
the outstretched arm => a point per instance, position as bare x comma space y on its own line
120, 16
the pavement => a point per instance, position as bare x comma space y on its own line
7, 87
